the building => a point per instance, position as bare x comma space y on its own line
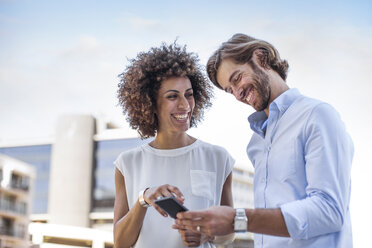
16, 179
74, 183
53, 235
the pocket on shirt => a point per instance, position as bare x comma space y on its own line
203, 183
283, 161
288, 172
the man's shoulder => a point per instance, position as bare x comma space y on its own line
309, 104
308, 100
305, 103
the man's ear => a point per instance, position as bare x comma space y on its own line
261, 58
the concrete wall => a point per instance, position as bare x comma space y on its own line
71, 171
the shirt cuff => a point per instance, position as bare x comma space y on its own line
295, 219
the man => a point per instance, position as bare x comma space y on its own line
300, 151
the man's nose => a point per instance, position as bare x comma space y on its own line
238, 93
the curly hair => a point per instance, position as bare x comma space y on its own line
240, 48
140, 82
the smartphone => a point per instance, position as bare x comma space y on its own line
170, 205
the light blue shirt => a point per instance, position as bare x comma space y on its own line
302, 159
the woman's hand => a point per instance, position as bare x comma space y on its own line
151, 194
193, 239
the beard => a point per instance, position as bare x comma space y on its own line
262, 86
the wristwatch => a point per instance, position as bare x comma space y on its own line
141, 200
240, 220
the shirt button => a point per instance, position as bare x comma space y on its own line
263, 180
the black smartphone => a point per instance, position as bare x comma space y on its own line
170, 205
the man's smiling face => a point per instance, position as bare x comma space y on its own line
247, 82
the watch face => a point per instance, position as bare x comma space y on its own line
240, 225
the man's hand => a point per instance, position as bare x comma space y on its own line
193, 239
214, 221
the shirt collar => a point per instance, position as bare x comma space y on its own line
282, 103
285, 100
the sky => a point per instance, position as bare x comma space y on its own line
64, 57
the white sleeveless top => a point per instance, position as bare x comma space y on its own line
198, 170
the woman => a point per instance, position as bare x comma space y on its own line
163, 93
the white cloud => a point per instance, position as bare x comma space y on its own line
139, 23
85, 45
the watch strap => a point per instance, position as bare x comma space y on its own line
240, 212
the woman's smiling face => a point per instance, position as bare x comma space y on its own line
175, 104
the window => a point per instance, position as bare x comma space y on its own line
104, 171
39, 156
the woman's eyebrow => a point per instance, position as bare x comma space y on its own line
176, 91
171, 91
